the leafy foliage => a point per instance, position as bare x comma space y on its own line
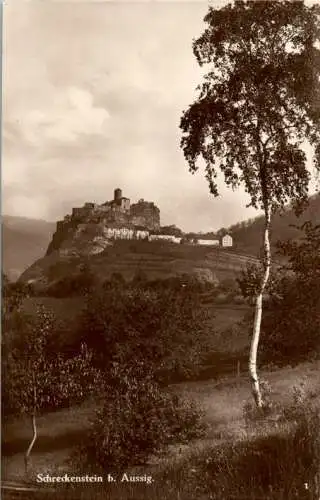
258, 102
138, 419
249, 281
165, 326
303, 255
13, 294
35, 379
292, 322
256, 107
81, 283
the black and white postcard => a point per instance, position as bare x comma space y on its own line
160, 249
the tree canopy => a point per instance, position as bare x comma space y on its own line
257, 107
259, 101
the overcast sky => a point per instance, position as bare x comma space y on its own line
93, 93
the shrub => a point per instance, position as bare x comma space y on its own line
164, 326
117, 278
72, 285
291, 316
228, 285
33, 369
221, 298
254, 415
295, 331
238, 299
13, 294
137, 419
291, 325
139, 277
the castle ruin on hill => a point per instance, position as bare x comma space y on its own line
117, 218
95, 225
142, 214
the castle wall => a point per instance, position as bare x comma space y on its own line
80, 212
138, 220
117, 219
145, 214
125, 204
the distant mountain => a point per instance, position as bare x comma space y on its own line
247, 235
23, 242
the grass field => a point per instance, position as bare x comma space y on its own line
222, 401
221, 391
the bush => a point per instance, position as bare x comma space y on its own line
254, 415
222, 298
137, 419
165, 326
13, 294
32, 367
291, 321
291, 314
72, 285
238, 299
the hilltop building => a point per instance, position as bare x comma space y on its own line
115, 219
144, 214
165, 237
208, 242
227, 241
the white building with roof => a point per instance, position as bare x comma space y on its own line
208, 242
227, 241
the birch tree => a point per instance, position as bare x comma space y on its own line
35, 381
255, 110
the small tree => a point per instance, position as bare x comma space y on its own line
13, 294
257, 106
138, 419
33, 380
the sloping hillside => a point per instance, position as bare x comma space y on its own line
247, 235
23, 241
156, 259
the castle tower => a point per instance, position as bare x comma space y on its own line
117, 194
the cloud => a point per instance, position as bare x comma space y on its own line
70, 115
92, 99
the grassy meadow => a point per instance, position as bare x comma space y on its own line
175, 475
183, 473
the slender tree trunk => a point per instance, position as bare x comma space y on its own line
34, 428
258, 312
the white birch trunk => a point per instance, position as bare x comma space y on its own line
27, 455
258, 313
34, 428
